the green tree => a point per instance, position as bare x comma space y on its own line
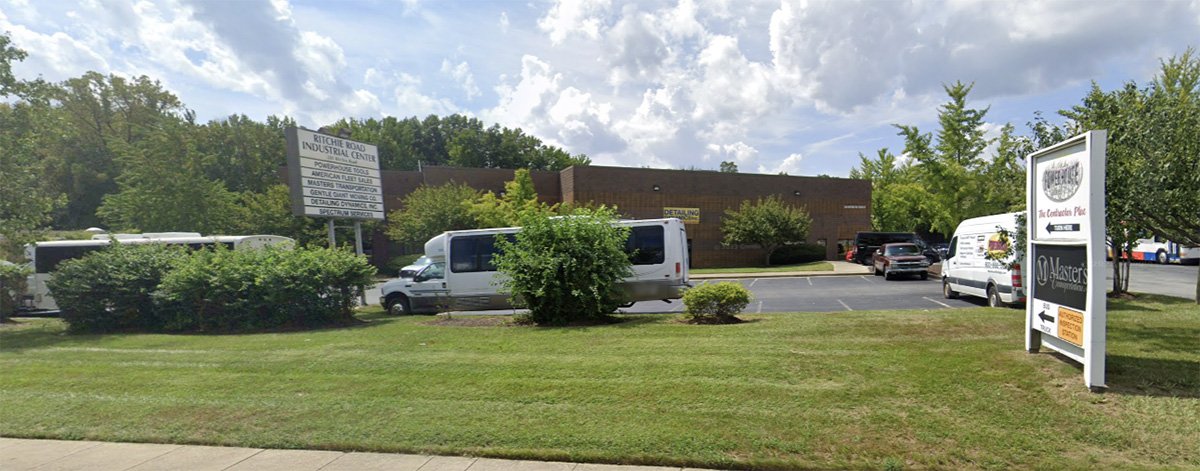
93, 114
270, 212
1152, 180
243, 153
768, 224
26, 203
163, 187
567, 268
456, 140
949, 166
429, 211
897, 198
729, 166
518, 200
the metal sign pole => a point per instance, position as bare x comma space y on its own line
332, 242
362, 290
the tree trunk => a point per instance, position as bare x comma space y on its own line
1126, 266
767, 262
1116, 273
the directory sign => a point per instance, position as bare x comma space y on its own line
332, 177
1066, 310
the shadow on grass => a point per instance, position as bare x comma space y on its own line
1139, 376
1152, 376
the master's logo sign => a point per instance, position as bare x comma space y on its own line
1062, 179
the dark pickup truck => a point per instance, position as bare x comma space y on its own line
900, 259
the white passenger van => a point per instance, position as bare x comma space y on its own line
462, 276
966, 269
44, 257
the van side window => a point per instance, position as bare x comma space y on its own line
646, 245
953, 247
464, 254
474, 253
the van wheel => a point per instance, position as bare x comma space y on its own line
1162, 257
397, 306
993, 297
947, 291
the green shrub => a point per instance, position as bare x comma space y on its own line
13, 282
798, 253
226, 290
566, 269
715, 303
113, 289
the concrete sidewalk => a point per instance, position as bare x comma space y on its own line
18, 454
840, 268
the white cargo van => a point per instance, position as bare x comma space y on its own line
967, 270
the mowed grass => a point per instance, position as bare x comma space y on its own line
939, 389
810, 266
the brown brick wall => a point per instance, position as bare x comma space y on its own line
632, 190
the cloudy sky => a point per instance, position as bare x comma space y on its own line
794, 86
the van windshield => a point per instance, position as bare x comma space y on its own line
902, 250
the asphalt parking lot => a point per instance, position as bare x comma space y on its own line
834, 294
866, 292
815, 294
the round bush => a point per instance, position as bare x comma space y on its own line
715, 303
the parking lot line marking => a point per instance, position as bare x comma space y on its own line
752, 282
759, 311
936, 302
871, 279
844, 305
809, 281
677, 306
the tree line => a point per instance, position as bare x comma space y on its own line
126, 154
1152, 179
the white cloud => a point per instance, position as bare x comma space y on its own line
504, 22
569, 17
740, 153
790, 166
411, 102
634, 49
561, 115
461, 73
732, 90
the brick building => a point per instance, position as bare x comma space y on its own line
839, 207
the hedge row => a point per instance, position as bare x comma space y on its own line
159, 288
799, 253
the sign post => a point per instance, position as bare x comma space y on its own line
1067, 309
334, 177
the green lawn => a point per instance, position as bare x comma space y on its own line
939, 389
810, 266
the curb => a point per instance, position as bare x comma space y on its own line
782, 274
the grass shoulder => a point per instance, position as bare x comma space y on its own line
917, 389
